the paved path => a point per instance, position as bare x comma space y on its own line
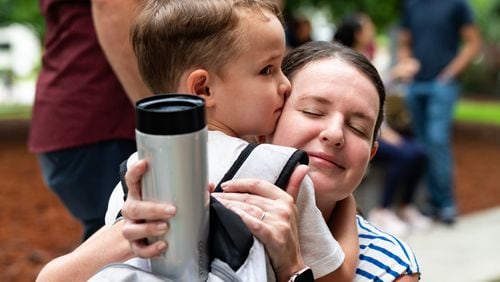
469, 251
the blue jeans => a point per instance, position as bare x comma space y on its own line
84, 177
431, 105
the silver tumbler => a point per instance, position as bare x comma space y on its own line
171, 135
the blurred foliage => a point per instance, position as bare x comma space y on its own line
22, 11
483, 75
381, 12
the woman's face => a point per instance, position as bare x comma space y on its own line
331, 114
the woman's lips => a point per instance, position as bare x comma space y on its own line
324, 160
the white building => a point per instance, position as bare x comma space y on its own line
20, 53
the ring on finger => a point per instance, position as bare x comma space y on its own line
263, 216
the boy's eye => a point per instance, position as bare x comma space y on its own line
266, 70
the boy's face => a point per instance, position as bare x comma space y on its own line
249, 94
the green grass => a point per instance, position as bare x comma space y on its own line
478, 112
15, 111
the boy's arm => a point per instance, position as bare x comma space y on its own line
343, 226
89, 257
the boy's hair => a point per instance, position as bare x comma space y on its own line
170, 37
309, 52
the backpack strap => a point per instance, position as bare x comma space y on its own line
123, 171
298, 157
236, 165
268, 162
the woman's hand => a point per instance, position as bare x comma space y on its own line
271, 215
144, 218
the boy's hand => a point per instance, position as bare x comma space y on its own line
144, 218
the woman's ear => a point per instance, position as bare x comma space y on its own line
374, 149
198, 84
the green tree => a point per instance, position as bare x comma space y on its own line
22, 11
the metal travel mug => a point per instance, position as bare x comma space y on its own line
171, 135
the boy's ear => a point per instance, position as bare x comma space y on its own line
197, 82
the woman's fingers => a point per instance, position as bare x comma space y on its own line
133, 178
233, 204
144, 250
144, 210
260, 229
138, 231
256, 187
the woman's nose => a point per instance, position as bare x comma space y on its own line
333, 134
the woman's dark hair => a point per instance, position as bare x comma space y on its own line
312, 51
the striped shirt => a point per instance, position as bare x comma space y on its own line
382, 256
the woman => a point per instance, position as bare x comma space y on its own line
332, 114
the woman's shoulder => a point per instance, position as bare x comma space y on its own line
382, 255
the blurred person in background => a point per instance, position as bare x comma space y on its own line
82, 126
298, 31
404, 158
432, 33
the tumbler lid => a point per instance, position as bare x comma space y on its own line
170, 114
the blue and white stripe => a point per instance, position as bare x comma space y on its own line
382, 256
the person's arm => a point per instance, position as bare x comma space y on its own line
471, 46
407, 278
113, 20
404, 45
342, 224
89, 257
390, 135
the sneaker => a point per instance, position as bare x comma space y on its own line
413, 217
448, 215
388, 221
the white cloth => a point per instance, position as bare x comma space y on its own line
319, 249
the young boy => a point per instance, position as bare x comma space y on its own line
229, 52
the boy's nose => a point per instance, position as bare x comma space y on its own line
285, 86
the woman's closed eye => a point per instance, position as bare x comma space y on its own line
311, 112
360, 130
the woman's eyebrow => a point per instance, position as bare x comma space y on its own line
315, 98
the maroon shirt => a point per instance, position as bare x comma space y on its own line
78, 99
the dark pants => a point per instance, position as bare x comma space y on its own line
84, 177
405, 166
